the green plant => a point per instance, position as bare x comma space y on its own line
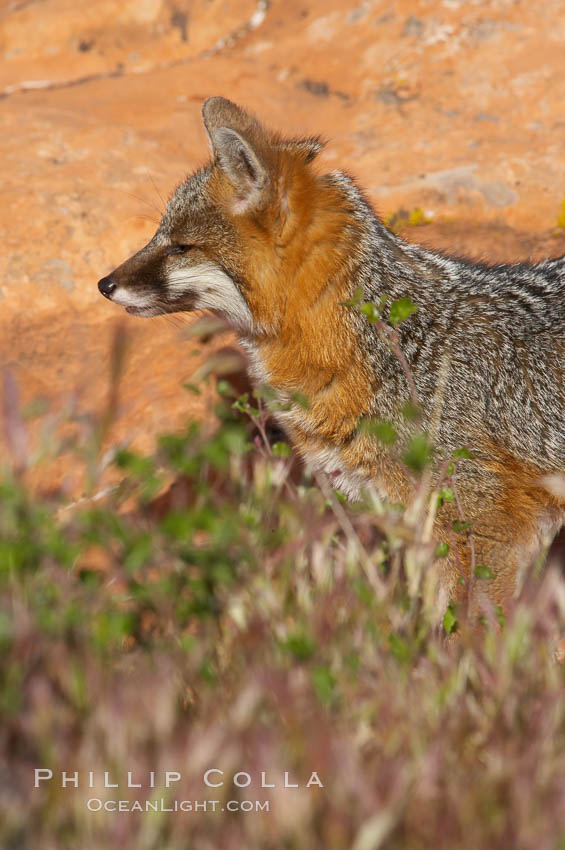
209, 602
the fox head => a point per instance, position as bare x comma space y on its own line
228, 230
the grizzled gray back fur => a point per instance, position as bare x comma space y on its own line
499, 330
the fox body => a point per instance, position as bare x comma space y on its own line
259, 236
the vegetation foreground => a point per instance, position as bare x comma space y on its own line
218, 609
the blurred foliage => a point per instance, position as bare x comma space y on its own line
401, 219
217, 609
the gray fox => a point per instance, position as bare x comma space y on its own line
261, 237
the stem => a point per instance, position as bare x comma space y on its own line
392, 335
471, 540
350, 533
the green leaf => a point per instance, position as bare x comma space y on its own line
483, 572
137, 465
265, 392
369, 309
300, 645
383, 430
324, 684
225, 388
192, 388
442, 550
463, 453
460, 526
241, 402
281, 450
139, 552
399, 648
207, 672
417, 217
301, 400
445, 495
357, 297
418, 453
450, 619
364, 591
411, 411
401, 310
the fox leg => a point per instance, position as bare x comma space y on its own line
504, 539
489, 564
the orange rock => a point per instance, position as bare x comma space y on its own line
454, 108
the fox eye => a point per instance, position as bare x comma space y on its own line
179, 249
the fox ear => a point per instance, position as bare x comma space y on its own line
221, 112
241, 165
229, 129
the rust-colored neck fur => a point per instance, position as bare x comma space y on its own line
299, 270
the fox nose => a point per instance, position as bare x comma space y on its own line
107, 286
